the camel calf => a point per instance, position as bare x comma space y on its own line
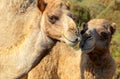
98, 64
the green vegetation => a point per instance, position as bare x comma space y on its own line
108, 9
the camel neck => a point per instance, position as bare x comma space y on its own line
98, 66
46, 42
99, 58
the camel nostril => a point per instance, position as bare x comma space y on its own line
76, 40
83, 31
89, 36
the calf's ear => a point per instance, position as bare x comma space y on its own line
113, 28
41, 4
84, 28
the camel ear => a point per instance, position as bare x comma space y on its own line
67, 5
84, 28
113, 28
41, 5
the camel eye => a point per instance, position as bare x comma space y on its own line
104, 36
72, 16
53, 19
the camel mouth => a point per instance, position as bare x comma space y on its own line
75, 41
71, 42
87, 44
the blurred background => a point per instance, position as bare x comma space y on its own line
107, 9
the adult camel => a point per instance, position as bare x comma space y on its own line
29, 28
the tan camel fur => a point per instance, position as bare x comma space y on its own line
29, 28
65, 63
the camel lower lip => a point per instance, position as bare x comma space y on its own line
74, 42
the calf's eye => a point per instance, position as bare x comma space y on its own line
104, 35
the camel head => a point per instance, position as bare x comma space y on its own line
57, 21
99, 34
